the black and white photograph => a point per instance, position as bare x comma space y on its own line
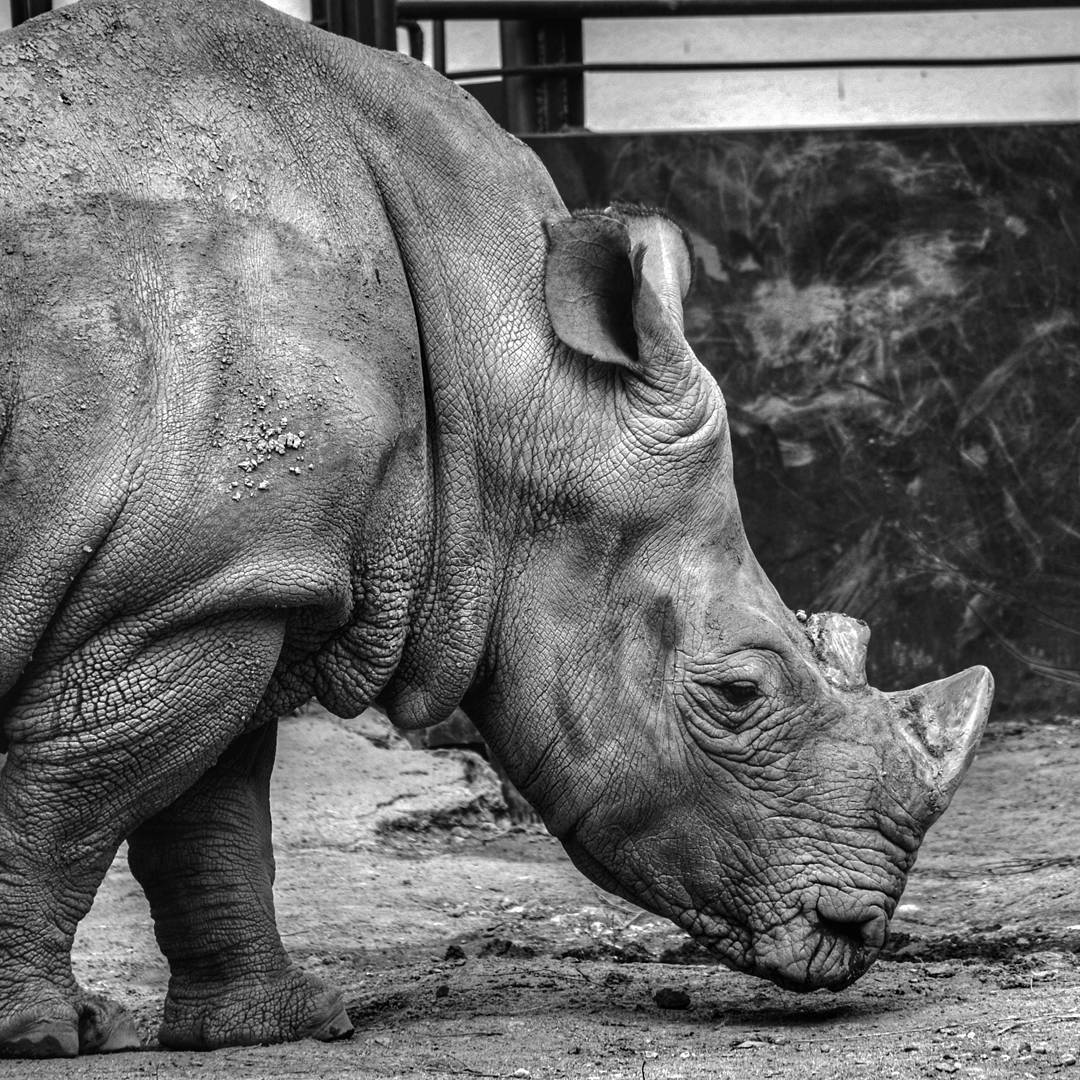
539, 539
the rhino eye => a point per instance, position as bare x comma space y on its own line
739, 693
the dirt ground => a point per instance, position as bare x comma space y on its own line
471, 948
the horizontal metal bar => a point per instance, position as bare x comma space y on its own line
600, 9
760, 65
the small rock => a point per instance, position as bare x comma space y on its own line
442, 990
513, 950
941, 971
668, 998
454, 953
1068, 1059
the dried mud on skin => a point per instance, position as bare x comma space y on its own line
476, 950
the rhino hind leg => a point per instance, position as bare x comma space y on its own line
207, 867
101, 742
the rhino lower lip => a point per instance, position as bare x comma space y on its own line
832, 963
844, 949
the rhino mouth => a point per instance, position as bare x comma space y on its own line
828, 957
824, 938
826, 944
835, 939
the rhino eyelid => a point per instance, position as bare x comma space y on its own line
723, 675
739, 693
708, 701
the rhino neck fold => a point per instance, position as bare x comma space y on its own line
452, 608
448, 623
474, 265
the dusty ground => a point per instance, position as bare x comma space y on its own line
469, 948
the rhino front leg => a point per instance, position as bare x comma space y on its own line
100, 742
207, 867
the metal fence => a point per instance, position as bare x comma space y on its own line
540, 87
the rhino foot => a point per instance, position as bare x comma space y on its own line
104, 1026
281, 1007
32, 1033
93, 1025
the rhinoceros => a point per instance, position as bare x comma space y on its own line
313, 387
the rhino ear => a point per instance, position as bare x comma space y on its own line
615, 283
663, 262
589, 287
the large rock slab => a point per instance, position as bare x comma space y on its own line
342, 783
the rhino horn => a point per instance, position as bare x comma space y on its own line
839, 645
943, 721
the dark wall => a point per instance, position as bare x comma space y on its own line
894, 320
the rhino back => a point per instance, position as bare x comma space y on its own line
212, 387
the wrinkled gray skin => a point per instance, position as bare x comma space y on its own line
285, 413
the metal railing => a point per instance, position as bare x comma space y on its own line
542, 69
621, 9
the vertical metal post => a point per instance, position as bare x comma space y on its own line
416, 37
21, 10
438, 46
374, 22
539, 102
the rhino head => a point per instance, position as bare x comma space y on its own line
699, 748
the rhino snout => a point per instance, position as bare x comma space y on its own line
836, 936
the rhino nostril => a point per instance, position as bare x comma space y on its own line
863, 932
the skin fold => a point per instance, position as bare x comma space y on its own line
310, 386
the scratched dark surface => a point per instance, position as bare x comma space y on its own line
893, 316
